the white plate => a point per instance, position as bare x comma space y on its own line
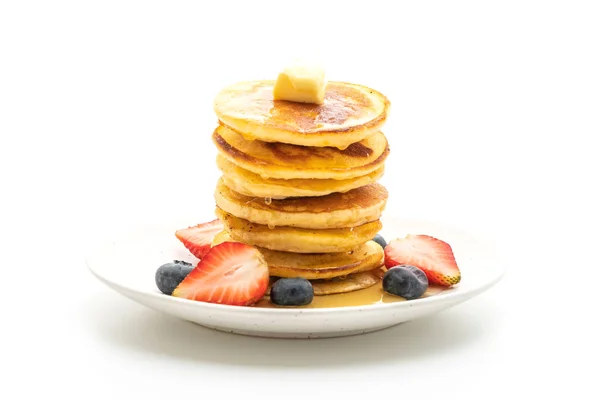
128, 265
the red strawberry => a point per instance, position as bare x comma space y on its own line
433, 256
197, 239
230, 273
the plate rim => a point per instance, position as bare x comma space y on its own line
370, 307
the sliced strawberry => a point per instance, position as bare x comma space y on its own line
433, 256
230, 273
197, 239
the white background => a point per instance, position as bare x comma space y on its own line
105, 120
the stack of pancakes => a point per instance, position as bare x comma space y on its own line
299, 181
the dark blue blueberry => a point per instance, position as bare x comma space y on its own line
405, 281
169, 275
380, 240
292, 292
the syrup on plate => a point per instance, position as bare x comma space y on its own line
362, 297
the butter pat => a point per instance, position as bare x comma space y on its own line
302, 83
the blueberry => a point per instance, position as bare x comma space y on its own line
380, 240
169, 275
405, 281
292, 292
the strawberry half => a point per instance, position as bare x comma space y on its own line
230, 273
433, 256
197, 239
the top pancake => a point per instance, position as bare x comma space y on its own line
349, 114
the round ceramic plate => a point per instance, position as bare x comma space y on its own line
128, 265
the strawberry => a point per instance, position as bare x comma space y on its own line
433, 256
197, 239
230, 273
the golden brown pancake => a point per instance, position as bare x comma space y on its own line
298, 240
286, 161
336, 210
350, 113
283, 264
253, 185
346, 284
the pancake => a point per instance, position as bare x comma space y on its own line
251, 184
350, 113
350, 283
337, 210
298, 240
286, 161
283, 264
